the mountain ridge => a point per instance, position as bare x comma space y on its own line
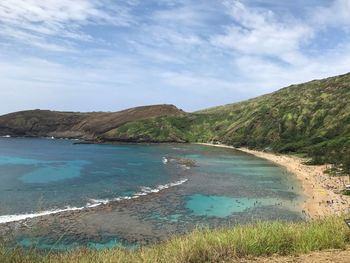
86, 125
297, 118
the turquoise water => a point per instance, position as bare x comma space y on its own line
223, 206
226, 186
42, 174
57, 172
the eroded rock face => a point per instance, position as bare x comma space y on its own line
88, 126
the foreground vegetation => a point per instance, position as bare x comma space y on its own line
260, 239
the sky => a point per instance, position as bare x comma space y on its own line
108, 55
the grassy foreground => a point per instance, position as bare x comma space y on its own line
260, 239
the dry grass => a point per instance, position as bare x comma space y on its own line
260, 239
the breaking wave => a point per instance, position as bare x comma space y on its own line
144, 190
92, 203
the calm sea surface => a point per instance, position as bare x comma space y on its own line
155, 193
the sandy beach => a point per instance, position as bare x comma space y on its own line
322, 191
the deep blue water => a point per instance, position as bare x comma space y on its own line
226, 185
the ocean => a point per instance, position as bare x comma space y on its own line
107, 195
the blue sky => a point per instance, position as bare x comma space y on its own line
107, 55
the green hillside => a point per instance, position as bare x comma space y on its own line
298, 118
311, 118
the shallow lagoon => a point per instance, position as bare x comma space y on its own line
226, 187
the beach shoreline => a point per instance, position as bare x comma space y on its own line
322, 191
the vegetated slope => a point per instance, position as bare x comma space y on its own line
234, 244
294, 119
313, 116
40, 123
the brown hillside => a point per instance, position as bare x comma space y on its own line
41, 123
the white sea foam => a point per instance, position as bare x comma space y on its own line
185, 167
165, 160
92, 203
12, 218
144, 190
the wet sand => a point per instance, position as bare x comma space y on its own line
322, 192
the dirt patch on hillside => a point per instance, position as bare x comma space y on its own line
336, 256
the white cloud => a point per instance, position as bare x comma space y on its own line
194, 54
262, 76
37, 21
258, 32
53, 13
39, 41
186, 15
336, 14
188, 80
162, 35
